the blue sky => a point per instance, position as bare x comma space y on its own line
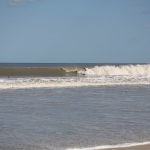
104, 31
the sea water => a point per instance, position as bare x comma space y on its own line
92, 109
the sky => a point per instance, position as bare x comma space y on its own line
77, 31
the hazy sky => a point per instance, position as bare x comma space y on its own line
102, 31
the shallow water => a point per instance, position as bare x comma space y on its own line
47, 119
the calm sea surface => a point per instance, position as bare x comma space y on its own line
74, 117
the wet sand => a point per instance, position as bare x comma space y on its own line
143, 147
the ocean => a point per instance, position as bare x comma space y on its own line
74, 106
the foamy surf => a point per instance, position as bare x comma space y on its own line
17, 83
77, 76
112, 146
99, 70
128, 70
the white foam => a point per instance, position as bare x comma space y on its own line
117, 70
96, 76
55, 82
111, 146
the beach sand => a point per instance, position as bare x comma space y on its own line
143, 147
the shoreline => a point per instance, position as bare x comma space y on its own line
138, 147
126, 146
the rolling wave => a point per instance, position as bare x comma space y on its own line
103, 70
130, 70
76, 76
38, 71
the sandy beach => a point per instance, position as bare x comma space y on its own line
143, 147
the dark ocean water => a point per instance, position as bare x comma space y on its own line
99, 105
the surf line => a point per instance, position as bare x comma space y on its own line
111, 146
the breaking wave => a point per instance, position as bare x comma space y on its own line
102, 70
89, 76
130, 70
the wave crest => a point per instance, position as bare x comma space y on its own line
136, 70
77, 77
